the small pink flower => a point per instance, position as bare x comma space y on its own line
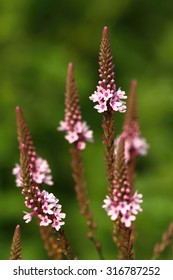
106, 97
126, 210
71, 137
27, 217
16, 172
116, 103
41, 172
107, 94
107, 203
49, 197
135, 143
140, 145
79, 133
135, 208
101, 107
97, 96
57, 224
121, 94
113, 213
81, 145
127, 219
63, 126
123, 207
45, 221
47, 208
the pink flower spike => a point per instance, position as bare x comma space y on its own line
106, 95
45, 221
76, 131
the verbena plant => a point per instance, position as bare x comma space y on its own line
122, 203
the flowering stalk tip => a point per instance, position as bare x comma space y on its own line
122, 204
30, 174
15, 253
77, 131
109, 98
39, 169
135, 145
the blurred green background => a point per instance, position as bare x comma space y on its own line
38, 38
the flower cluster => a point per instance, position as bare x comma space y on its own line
77, 133
108, 98
45, 206
133, 144
126, 209
41, 172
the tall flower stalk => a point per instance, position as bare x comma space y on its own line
109, 100
122, 206
32, 172
78, 133
135, 145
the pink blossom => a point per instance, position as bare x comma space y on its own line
49, 197
16, 172
46, 207
132, 143
113, 213
108, 97
125, 209
107, 203
41, 172
27, 217
127, 219
101, 94
78, 133
71, 136
101, 107
63, 126
45, 221
81, 145
57, 224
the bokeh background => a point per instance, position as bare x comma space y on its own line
38, 38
